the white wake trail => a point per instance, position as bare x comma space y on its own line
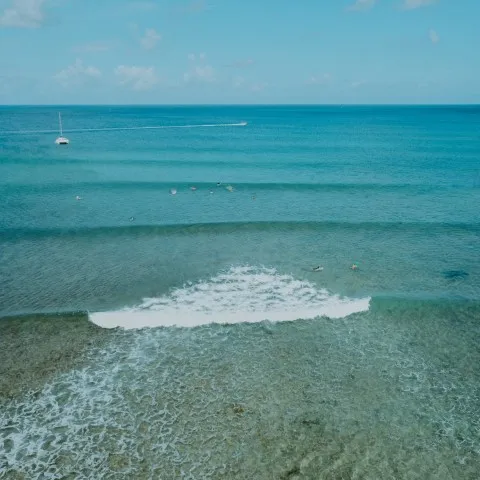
112, 129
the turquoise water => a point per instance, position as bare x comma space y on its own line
367, 374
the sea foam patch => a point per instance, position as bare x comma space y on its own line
241, 294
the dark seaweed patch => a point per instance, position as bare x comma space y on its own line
455, 274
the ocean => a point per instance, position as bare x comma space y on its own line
161, 318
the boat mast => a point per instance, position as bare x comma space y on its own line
60, 122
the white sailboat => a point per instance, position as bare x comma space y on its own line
61, 140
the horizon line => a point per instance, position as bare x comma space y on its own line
239, 105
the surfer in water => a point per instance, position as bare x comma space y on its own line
317, 269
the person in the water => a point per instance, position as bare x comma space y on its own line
354, 266
317, 269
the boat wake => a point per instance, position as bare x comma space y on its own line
116, 129
238, 295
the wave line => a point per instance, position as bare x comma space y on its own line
13, 233
15, 188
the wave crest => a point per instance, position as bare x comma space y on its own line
241, 294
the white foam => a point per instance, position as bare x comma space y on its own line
239, 295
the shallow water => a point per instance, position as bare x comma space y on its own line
359, 397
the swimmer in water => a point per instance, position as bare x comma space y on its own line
354, 266
132, 219
317, 269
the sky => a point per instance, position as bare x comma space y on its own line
239, 52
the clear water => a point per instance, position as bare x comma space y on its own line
333, 374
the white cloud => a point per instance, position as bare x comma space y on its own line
138, 78
238, 82
241, 83
357, 83
23, 14
434, 36
201, 56
76, 74
150, 39
200, 73
320, 79
360, 5
195, 7
411, 4
258, 87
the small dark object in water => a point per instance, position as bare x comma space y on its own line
292, 472
238, 409
455, 274
311, 422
